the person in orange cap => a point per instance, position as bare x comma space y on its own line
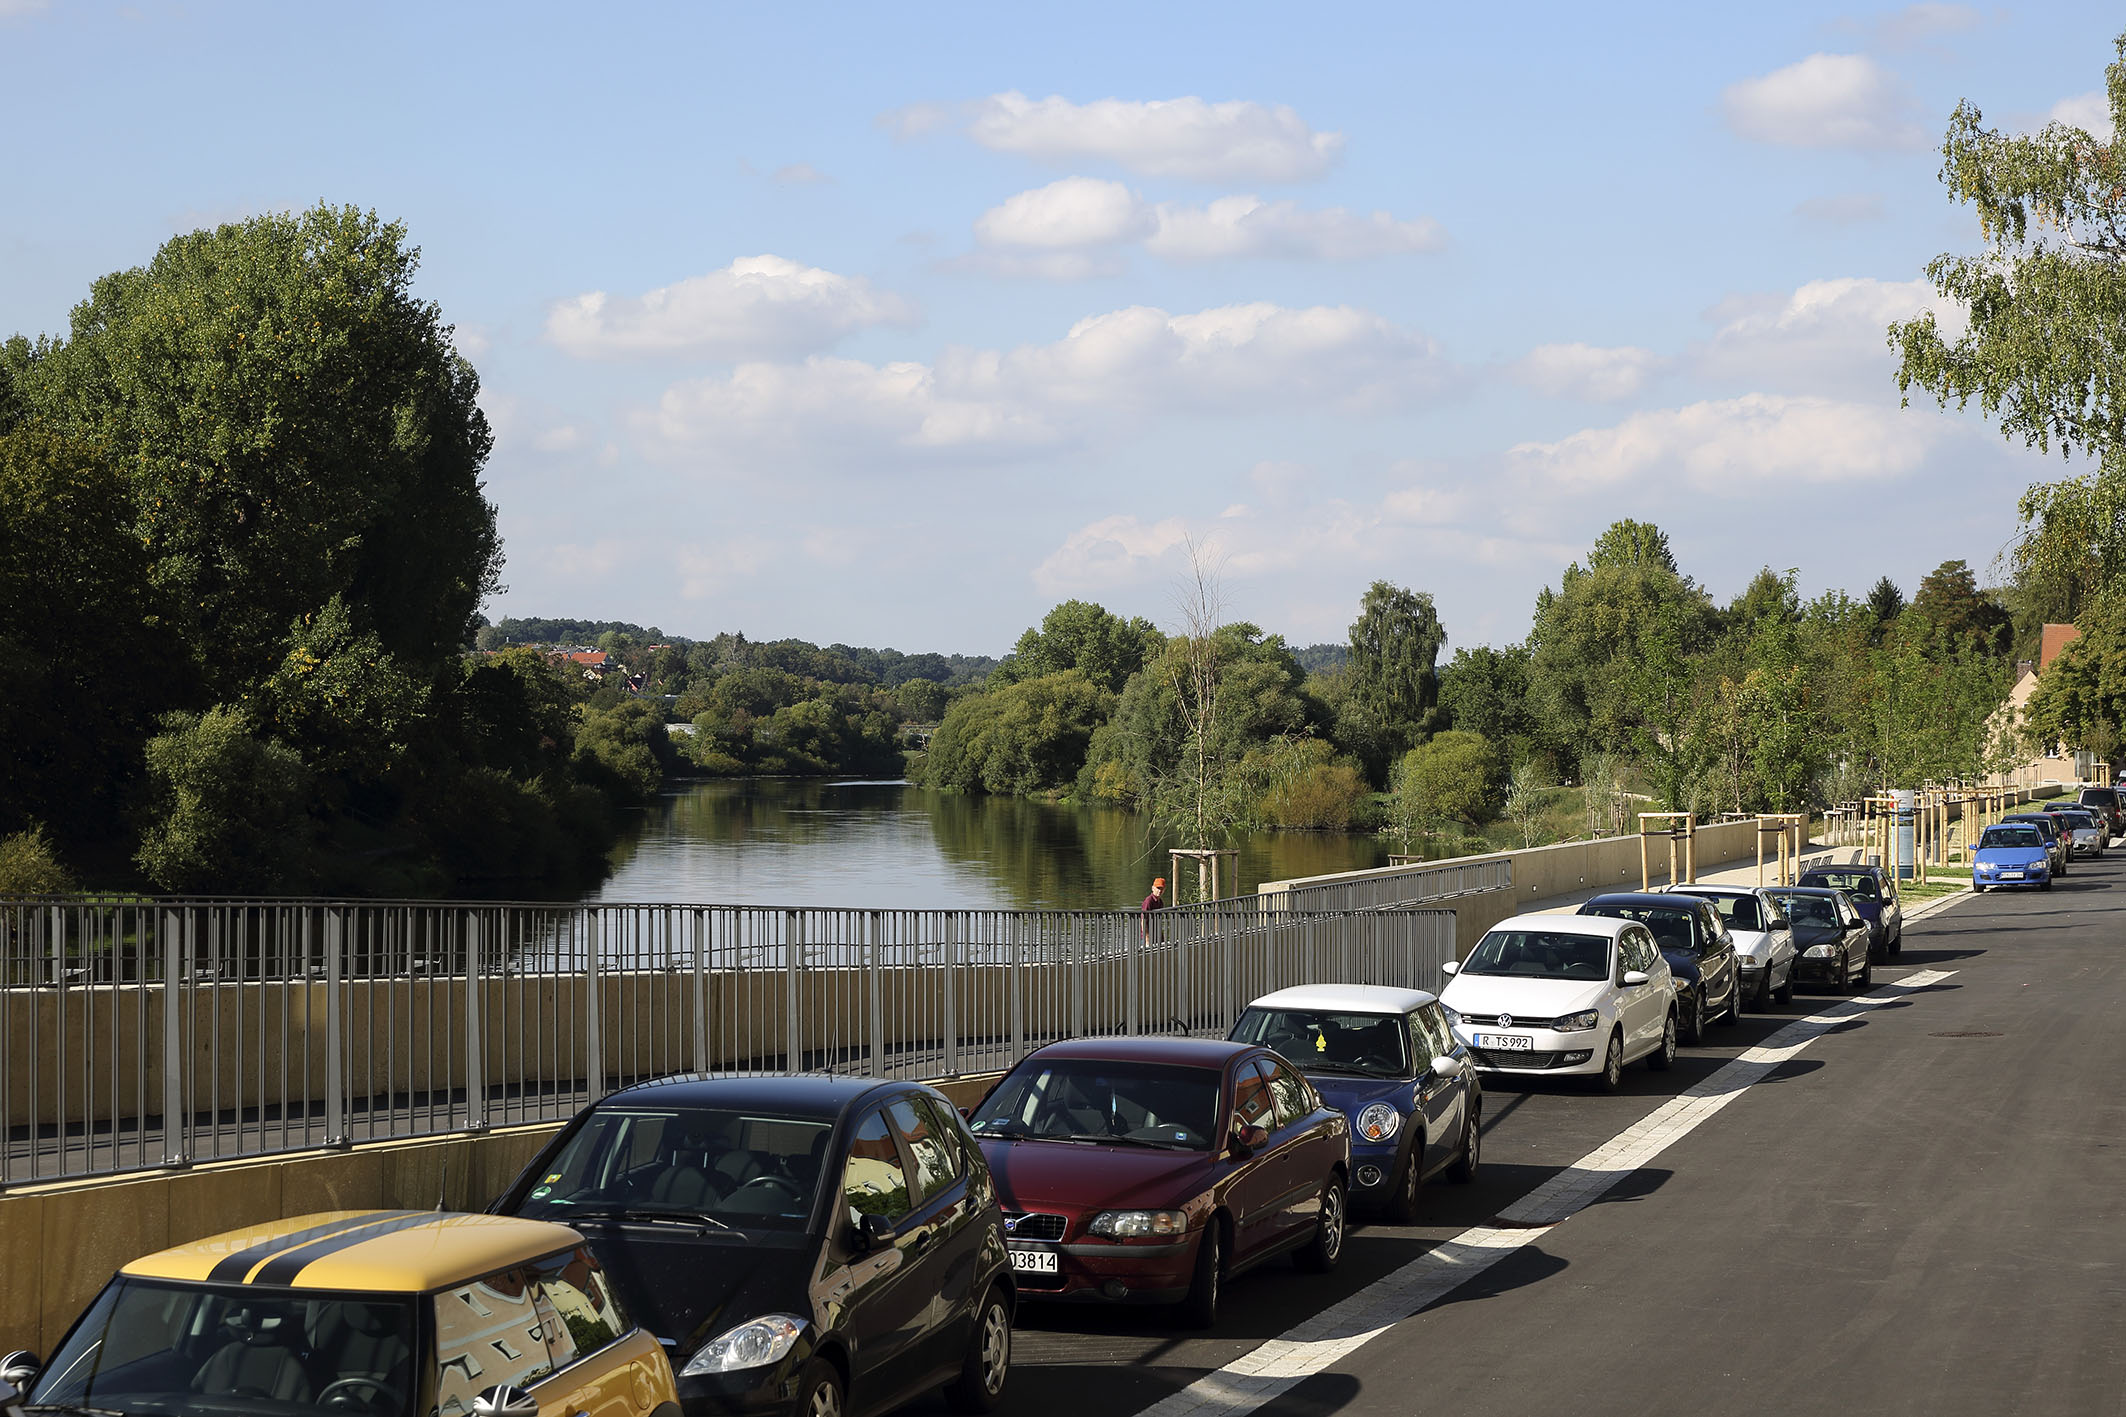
1155, 901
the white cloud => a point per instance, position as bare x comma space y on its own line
1113, 551
1249, 226
1585, 371
470, 340
19, 9
798, 174
1843, 209
757, 306
1828, 336
707, 569
2091, 112
1914, 25
586, 563
1825, 101
564, 439
1076, 213
1758, 446
1128, 364
1180, 137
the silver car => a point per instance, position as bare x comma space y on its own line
1764, 944
2085, 833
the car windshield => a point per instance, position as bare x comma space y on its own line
2025, 837
1809, 909
1861, 885
1675, 927
2080, 821
1093, 1099
1741, 912
2041, 824
1542, 954
2100, 796
743, 1170
1375, 1044
178, 1350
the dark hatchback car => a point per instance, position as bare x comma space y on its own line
1831, 938
1153, 1170
824, 1247
1874, 895
1387, 1059
1700, 953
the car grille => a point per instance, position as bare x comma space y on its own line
1487, 1058
1492, 1021
1020, 1225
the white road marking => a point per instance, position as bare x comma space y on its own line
1280, 1364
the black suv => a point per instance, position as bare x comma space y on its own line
2104, 801
1700, 953
802, 1245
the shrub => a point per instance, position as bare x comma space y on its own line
29, 866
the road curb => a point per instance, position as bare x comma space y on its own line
1940, 903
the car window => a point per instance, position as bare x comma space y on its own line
488, 1334
1741, 912
585, 1314
1711, 933
1253, 1101
1648, 949
1439, 1040
934, 1169
875, 1182
950, 1129
1549, 954
1294, 1099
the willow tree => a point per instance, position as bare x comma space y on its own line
2044, 348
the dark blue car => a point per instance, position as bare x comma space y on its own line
1874, 895
1700, 953
1386, 1059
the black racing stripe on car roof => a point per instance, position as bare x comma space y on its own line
233, 1269
285, 1267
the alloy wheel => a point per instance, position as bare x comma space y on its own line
996, 1347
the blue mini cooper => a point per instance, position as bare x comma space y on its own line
1387, 1060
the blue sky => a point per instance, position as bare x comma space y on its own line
896, 325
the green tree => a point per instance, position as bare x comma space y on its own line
1453, 777
1395, 645
1886, 602
1300, 784
1080, 635
29, 865
2080, 699
295, 425
1949, 600
627, 747
227, 808
2044, 302
1021, 738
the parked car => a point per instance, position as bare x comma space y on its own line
2055, 836
1764, 945
2104, 801
368, 1313
1387, 1060
2013, 854
808, 1245
2086, 834
1154, 1170
1701, 956
1874, 893
1578, 995
1832, 937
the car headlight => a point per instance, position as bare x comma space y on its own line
753, 1344
1821, 951
1129, 1224
1748, 962
1453, 1017
1378, 1122
1577, 1023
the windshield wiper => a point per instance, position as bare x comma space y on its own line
1125, 1141
73, 1407
649, 1217
1319, 1065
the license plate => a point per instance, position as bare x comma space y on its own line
1034, 1261
2011, 875
1505, 1042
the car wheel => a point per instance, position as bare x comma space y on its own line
1977, 889
1612, 1075
1409, 1182
1785, 993
1320, 1254
2047, 885
1867, 973
1200, 1308
1664, 1057
1463, 1169
1734, 1002
1693, 1029
1897, 942
980, 1385
820, 1391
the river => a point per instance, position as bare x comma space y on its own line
819, 842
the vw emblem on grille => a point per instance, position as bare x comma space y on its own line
1505, 1020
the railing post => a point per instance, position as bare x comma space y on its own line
175, 1125
701, 996
793, 950
475, 1031
1015, 980
875, 997
594, 1008
1077, 978
952, 994
1135, 949
335, 1077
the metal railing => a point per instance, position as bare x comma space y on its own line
163, 1032
1394, 887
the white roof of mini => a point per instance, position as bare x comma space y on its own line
1607, 926
1702, 889
1345, 998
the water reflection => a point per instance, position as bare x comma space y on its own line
788, 841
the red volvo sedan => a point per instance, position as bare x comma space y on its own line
1152, 1170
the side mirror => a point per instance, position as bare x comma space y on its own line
505, 1401
1450, 967
872, 1231
1778, 922
1248, 1139
1635, 976
1446, 1066
20, 1368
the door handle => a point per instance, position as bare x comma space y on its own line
921, 1242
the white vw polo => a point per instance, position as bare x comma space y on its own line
1574, 994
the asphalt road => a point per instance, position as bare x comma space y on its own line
1924, 1212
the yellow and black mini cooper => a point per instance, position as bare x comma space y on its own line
369, 1313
